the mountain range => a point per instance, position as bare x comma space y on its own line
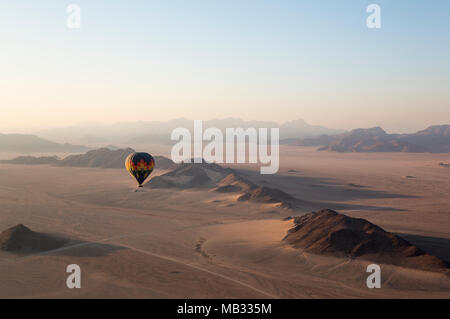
26, 143
101, 158
435, 139
158, 132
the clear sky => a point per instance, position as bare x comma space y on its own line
201, 59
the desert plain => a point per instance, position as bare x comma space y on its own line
197, 243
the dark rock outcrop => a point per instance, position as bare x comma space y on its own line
21, 239
330, 233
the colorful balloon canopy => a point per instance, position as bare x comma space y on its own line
140, 166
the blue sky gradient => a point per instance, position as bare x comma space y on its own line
202, 59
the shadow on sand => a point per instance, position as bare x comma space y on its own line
439, 247
323, 192
84, 249
22, 241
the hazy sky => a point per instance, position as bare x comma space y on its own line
201, 59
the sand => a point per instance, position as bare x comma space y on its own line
159, 243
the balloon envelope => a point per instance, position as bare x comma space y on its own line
140, 166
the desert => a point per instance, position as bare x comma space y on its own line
202, 155
218, 231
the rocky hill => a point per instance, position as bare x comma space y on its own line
21, 239
371, 140
434, 139
330, 233
101, 158
224, 180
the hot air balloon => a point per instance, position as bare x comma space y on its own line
140, 166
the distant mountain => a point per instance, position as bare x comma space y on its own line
436, 138
320, 140
24, 143
157, 132
31, 160
330, 233
112, 147
224, 180
371, 140
102, 158
299, 128
433, 139
163, 139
